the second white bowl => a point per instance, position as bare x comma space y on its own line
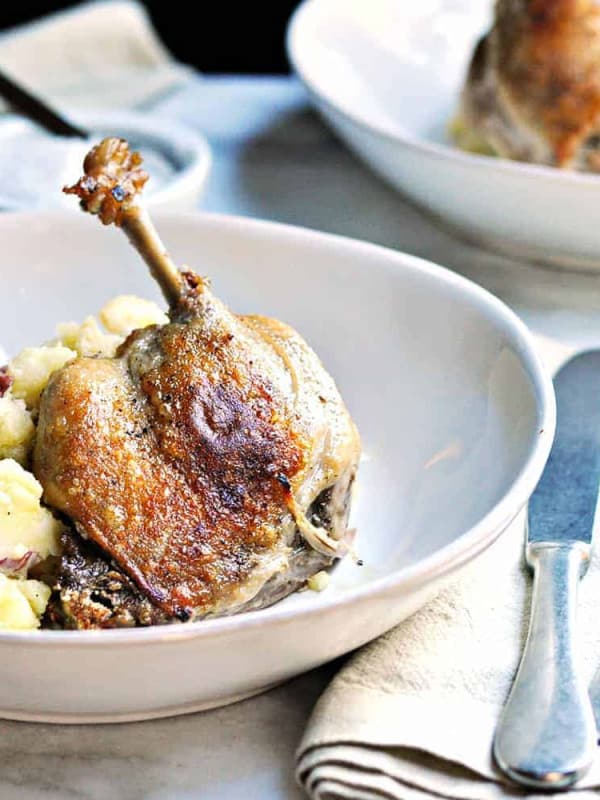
387, 76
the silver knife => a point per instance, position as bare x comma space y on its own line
595, 698
546, 737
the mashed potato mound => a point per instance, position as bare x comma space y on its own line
32, 368
24, 523
127, 313
24, 526
467, 139
119, 316
88, 339
16, 429
22, 603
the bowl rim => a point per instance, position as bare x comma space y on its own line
515, 169
186, 182
430, 569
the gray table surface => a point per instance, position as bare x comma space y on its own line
273, 158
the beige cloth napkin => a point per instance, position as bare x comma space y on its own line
413, 714
98, 55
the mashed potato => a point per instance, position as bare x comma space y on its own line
32, 368
127, 313
25, 525
16, 429
467, 139
88, 339
22, 603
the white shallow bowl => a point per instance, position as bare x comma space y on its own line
456, 417
183, 151
387, 75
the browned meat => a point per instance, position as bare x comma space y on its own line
211, 461
533, 87
92, 592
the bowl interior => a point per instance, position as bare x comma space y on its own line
434, 370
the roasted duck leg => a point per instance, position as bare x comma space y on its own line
533, 88
208, 466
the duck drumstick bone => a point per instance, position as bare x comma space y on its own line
111, 188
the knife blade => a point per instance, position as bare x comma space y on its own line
546, 736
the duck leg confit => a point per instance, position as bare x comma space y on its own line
207, 468
533, 88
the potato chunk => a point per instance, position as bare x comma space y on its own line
319, 581
24, 523
22, 603
37, 594
31, 369
88, 339
16, 429
127, 313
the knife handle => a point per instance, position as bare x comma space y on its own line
547, 737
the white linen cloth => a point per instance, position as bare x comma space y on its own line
413, 714
97, 55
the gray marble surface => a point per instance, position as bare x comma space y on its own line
241, 751
273, 158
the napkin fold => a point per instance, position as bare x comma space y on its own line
413, 714
97, 55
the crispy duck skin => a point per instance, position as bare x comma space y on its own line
533, 87
211, 461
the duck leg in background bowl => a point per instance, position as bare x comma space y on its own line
206, 469
532, 92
